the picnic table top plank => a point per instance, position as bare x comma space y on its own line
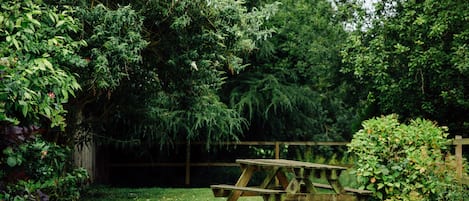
247, 188
288, 164
353, 190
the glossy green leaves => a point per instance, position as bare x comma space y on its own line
412, 58
37, 52
404, 161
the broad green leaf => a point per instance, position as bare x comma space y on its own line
59, 23
379, 195
48, 64
52, 16
22, 102
371, 187
27, 95
11, 161
36, 22
40, 65
367, 173
24, 110
15, 42
8, 151
64, 94
44, 64
18, 22
47, 111
380, 186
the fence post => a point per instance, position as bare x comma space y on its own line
277, 156
188, 163
458, 153
85, 157
277, 150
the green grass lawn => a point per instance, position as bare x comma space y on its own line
154, 194
102, 193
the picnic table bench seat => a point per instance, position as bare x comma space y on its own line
223, 190
351, 190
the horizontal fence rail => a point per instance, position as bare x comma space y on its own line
458, 142
277, 146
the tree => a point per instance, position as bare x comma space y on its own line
293, 89
412, 59
113, 56
193, 46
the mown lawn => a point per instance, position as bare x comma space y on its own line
154, 194
103, 193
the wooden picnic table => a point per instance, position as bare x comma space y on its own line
298, 187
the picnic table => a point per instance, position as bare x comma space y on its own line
299, 186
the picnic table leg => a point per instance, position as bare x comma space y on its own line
282, 178
333, 179
242, 181
277, 197
308, 185
296, 184
270, 177
276, 172
301, 183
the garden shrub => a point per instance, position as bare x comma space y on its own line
37, 49
405, 161
39, 170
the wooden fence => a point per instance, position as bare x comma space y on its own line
458, 142
277, 148
85, 157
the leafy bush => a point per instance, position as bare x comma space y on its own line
405, 161
114, 43
39, 170
36, 51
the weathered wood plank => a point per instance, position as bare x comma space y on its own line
287, 163
249, 189
352, 190
242, 181
321, 197
224, 190
461, 141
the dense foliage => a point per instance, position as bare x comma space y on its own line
114, 43
405, 161
411, 59
113, 55
39, 170
156, 72
194, 46
293, 89
37, 51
